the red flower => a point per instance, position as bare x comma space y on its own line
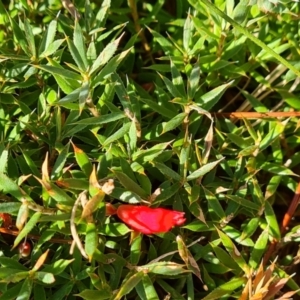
150, 220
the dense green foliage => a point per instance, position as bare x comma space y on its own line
127, 91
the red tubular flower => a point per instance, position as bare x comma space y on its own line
150, 220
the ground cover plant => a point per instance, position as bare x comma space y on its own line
187, 106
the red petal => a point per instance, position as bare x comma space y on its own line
149, 220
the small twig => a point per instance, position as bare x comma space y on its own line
289, 214
138, 29
175, 251
285, 222
236, 96
262, 87
255, 115
43, 210
33, 236
73, 227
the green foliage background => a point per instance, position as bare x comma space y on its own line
126, 91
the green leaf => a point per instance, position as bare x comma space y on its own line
118, 134
203, 29
106, 54
275, 131
226, 288
83, 161
94, 294
173, 123
249, 35
171, 87
56, 193
129, 283
59, 71
27, 228
12, 293
12, 275
135, 250
75, 54
44, 277
168, 192
78, 40
61, 292
203, 170
149, 291
30, 38
214, 204
58, 266
102, 119
19, 36
166, 268
9, 187
103, 12
241, 11
272, 221
84, 95
48, 37
277, 169
125, 196
159, 108
91, 240
259, 249
193, 82
114, 229
225, 258
168, 172
110, 68
26, 289
187, 33
129, 184
60, 162
150, 154
170, 290
250, 228
239, 140
7, 262
208, 100
9, 207
39, 292
233, 251
177, 79
243, 202
52, 48
166, 45
71, 97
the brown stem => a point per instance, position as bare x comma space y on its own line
285, 222
289, 214
138, 29
255, 115
33, 236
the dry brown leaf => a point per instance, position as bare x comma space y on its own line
45, 170
276, 287
246, 290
